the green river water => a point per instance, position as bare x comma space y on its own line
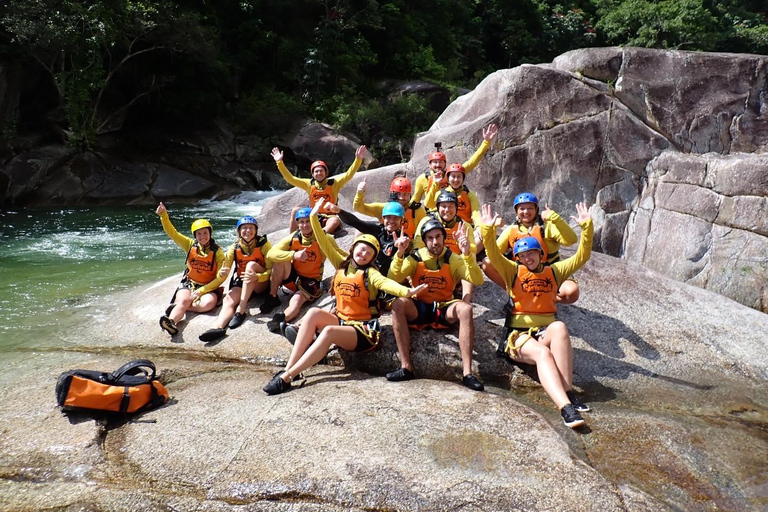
56, 263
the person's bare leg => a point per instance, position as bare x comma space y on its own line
467, 289
461, 312
492, 273
557, 339
331, 225
294, 305
403, 311
568, 292
280, 272
183, 302
315, 319
342, 336
228, 308
535, 353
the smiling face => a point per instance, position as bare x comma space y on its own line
392, 223
530, 259
203, 236
447, 210
319, 173
435, 241
363, 254
304, 226
455, 179
526, 213
401, 197
247, 232
437, 165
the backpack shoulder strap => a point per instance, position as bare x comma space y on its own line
134, 368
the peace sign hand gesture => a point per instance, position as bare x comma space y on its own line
402, 243
462, 239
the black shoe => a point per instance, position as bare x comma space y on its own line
289, 331
400, 375
571, 416
212, 335
277, 385
472, 382
169, 309
168, 325
274, 324
269, 304
237, 320
576, 402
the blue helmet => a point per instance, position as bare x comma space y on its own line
526, 197
303, 213
247, 220
393, 208
527, 243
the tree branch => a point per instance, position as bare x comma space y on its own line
124, 107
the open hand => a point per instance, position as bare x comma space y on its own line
487, 217
277, 154
417, 290
318, 206
490, 132
402, 243
583, 213
224, 271
332, 208
360, 153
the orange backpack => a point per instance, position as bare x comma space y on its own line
129, 389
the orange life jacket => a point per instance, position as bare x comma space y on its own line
440, 282
354, 300
327, 192
409, 221
535, 293
450, 234
536, 231
465, 207
313, 267
242, 259
201, 268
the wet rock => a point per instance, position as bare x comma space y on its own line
28, 170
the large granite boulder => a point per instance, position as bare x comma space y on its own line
618, 127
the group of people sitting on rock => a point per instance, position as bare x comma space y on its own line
420, 261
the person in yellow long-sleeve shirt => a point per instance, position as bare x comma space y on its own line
441, 269
354, 325
399, 191
251, 274
201, 277
437, 164
532, 334
320, 185
549, 228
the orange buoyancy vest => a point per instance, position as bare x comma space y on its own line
409, 221
313, 267
535, 293
450, 235
201, 268
439, 282
326, 192
354, 300
242, 259
537, 231
465, 207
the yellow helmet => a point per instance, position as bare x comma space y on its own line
370, 240
200, 224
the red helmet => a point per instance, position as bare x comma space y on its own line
401, 185
318, 163
437, 155
456, 168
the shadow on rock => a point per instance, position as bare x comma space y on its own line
604, 333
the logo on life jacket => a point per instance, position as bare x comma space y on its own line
438, 282
347, 289
311, 255
537, 286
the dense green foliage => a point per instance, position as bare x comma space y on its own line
126, 63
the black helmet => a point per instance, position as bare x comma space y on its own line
430, 225
447, 197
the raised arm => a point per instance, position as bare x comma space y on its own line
344, 178
331, 251
301, 183
505, 267
489, 133
570, 265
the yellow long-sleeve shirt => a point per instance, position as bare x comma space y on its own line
306, 183
562, 269
375, 209
422, 182
186, 243
281, 251
229, 258
557, 232
461, 267
336, 255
